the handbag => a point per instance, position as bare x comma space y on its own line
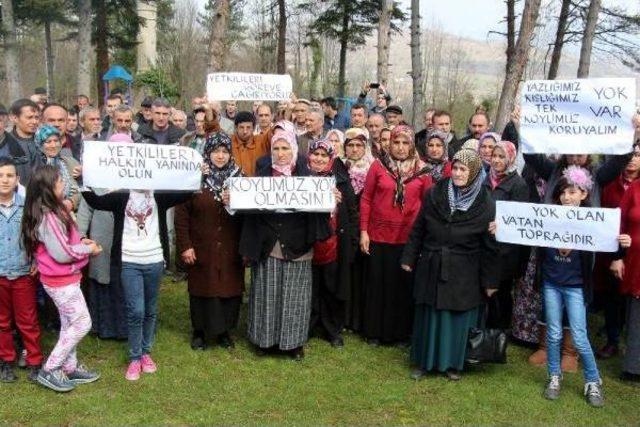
486, 345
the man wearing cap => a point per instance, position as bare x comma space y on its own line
393, 114
16, 149
160, 131
246, 147
144, 115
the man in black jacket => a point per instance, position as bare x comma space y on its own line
16, 149
160, 130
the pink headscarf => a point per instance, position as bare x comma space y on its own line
289, 138
510, 153
121, 137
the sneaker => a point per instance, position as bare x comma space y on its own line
552, 390
32, 374
82, 375
6, 373
148, 365
133, 371
593, 394
55, 380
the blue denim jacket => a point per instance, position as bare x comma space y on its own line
13, 258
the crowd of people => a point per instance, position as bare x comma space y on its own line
407, 258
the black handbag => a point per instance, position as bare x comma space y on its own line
486, 345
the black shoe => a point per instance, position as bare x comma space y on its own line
373, 342
6, 373
403, 345
453, 375
297, 354
417, 374
260, 352
633, 379
33, 373
225, 341
197, 343
337, 342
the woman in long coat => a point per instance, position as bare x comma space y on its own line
207, 239
456, 263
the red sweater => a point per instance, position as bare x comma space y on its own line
384, 222
630, 207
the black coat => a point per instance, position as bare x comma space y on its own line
296, 232
173, 136
454, 257
117, 203
26, 159
513, 258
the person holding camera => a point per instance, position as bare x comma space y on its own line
382, 97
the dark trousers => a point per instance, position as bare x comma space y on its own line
18, 304
327, 310
500, 307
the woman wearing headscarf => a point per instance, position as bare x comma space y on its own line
504, 184
279, 247
207, 240
47, 139
486, 143
336, 137
358, 160
437, 156
390, 202
333, 258
454, 258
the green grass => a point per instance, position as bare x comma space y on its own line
357, 385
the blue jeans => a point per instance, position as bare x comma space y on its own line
555, 298
140, 283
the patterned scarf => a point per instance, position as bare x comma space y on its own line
326, 145
436, 166
42, 135
216, 180
358, 167
461, 198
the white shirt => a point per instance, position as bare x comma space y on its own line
141, 232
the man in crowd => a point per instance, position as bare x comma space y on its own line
73, 127
359, 116
179, 119
25, 117
228, 126
375, 123
299, 117
315, 130
91, 124
197, 138
442, 122
197, 103
160, 130
479, 124
333, 120
82, 101
394, 116
122, 123
230, 110
264, 115
112, 102
144, 115
40, 97
56, 116
18, 150
382, 97
421, 137
246, 147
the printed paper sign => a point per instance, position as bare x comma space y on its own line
140, 166
583, 116
249, 87
555, 226
282, 193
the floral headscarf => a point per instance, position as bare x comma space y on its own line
358, 167
403, 170
437, 165
510, 153
289, 138
326, 145
461, 198
43, 133
217, 178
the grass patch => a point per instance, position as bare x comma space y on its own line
357, 385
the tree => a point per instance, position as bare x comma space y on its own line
84, 47
12, 68
216, 40
559, 42
514, 73
511, 33
281, 64
384, 38
587, 39
416, 61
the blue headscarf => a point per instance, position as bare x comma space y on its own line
43, 133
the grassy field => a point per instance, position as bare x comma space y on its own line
357, 385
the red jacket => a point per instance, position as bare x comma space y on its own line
384, 222
630, 207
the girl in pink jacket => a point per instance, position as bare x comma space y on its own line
51, 237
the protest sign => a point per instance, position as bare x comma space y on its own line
249, 87
555, 226
282, 193
583, 116
140, 166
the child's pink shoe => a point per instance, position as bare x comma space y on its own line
133, 371
148, 365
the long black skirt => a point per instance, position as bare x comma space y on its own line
388, 304
107, 308
355, 302
214, 316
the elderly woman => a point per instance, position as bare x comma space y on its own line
207, 241
437, 156
279, 247
455, 258
47, 139
333, 258
503, 183
390, 202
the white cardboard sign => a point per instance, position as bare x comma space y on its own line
555, 226
582, 116
282, 193
249, 87
140, 166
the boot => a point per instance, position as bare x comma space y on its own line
539, 358
569, 362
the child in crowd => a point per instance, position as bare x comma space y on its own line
17, 284
565, 277
50, 236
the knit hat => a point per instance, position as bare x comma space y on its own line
44, 132
470, 159
244, 117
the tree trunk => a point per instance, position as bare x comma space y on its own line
11, 65
102, 50
587, 39
511, 33
146, 54
416, 61
515, 71
343, 54
384, 38
216, 41
48, 52
281, 66
559, 43
84, 48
